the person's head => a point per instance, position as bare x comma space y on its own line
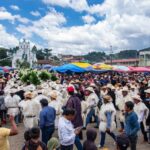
53, 95
122, 142
125, 91
35, 133
91, 134
147, 93
70, 90
69, 114
88, 91
28, 95
27, 135
44, 102
137, 99
53, 144
129, 106
107, 99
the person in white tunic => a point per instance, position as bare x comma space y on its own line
120, 103
12, 103
142, 112
56, 105
92, 101
107, 119
30, 109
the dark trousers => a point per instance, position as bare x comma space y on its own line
69, 147
103, 136
143, 131
90, 115
122, 125
133, 142
78, 143
47, 133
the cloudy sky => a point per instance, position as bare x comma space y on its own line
76, 26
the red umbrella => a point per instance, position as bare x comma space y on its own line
139, 69
5, 69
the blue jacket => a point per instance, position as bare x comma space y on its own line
47, 116
131, 124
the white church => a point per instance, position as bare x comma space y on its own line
24, 54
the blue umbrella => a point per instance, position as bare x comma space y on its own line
69, 68
46, 66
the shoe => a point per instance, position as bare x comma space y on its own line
84, 128
99, 146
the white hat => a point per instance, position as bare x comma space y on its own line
125, 89
92, 85
147, 91
136, 97
45, 85
53, 94
109, 86
89, 89
13, 90
31, 87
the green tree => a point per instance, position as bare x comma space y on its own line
40, 55
47, 53
34, 49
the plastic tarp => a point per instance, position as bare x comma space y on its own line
82, 64
139, 69
46, 66
91, 69
68, 68
121, 68
102, 66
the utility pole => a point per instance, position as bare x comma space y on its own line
111, 53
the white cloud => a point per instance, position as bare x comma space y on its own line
7, 40
78, 5
88, 19
126, 26
35, 13
14, 7
5, 15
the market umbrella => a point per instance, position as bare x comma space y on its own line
68, 68
82, 64
139, 69
121, 68
102, 66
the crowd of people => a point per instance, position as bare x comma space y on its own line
74, 103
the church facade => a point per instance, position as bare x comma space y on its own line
24, 54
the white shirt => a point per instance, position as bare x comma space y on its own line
66, 132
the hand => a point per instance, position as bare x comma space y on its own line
108, 130
76, 131
11, 118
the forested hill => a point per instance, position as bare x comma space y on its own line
102, 56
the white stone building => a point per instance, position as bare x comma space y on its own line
24, 54
144, 57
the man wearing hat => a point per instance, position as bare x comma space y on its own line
30, 110
12, 103
120, 103
56, 105
142, 112
107, 119
92, 101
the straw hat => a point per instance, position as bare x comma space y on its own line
147, 91
28, 95
137, 97
125, 89
89, 89
107, 98
53, 94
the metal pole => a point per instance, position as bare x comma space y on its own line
111, 52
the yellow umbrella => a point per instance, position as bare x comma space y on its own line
82, 64
102, 66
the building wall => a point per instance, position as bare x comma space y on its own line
144, 57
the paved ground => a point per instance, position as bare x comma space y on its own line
17, 141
